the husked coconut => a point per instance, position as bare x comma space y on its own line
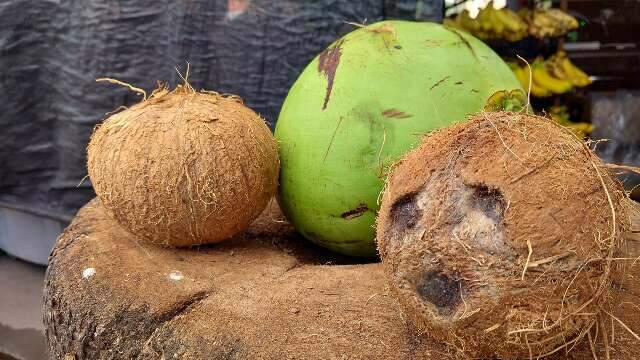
498, 236
183, 167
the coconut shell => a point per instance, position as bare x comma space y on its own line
183, 167
497, 236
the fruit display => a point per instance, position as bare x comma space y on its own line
360, 106
524, 76
491, 23
459, 224
184, 168
561, 67
548, 22
542, 76
556, 75
481, 244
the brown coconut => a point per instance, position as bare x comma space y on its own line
497, 236
184, 167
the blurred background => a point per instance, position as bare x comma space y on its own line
584, 54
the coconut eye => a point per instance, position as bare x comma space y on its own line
441, 289
405, 212
490, 201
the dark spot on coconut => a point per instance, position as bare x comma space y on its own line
489, 201
398, 47
440, 289
327, 64
357, 212
405, 212
396, 114
439, 82
458, 83
475, 90
464, 41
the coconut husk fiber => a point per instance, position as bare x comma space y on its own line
266, 294
499, 237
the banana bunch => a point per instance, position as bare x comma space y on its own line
560, 115
491, 24
545, 79
561, 67
556, 75
524, 76
548, 22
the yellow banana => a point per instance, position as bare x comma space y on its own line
558, 71
484, 19
523, 76
524, 13
510, 20
497, 26
577, 76
512, 36
543, 79
512, 65
564, 20
580, 129
472, 25
538, 91
542, 20
542, 25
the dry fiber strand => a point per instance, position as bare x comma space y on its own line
183, 167
500, 237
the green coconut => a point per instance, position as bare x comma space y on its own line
362, 104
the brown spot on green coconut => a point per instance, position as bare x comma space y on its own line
354, 213
433, 43
396, 114
439, 82
328, 62
386, 32
464, 41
